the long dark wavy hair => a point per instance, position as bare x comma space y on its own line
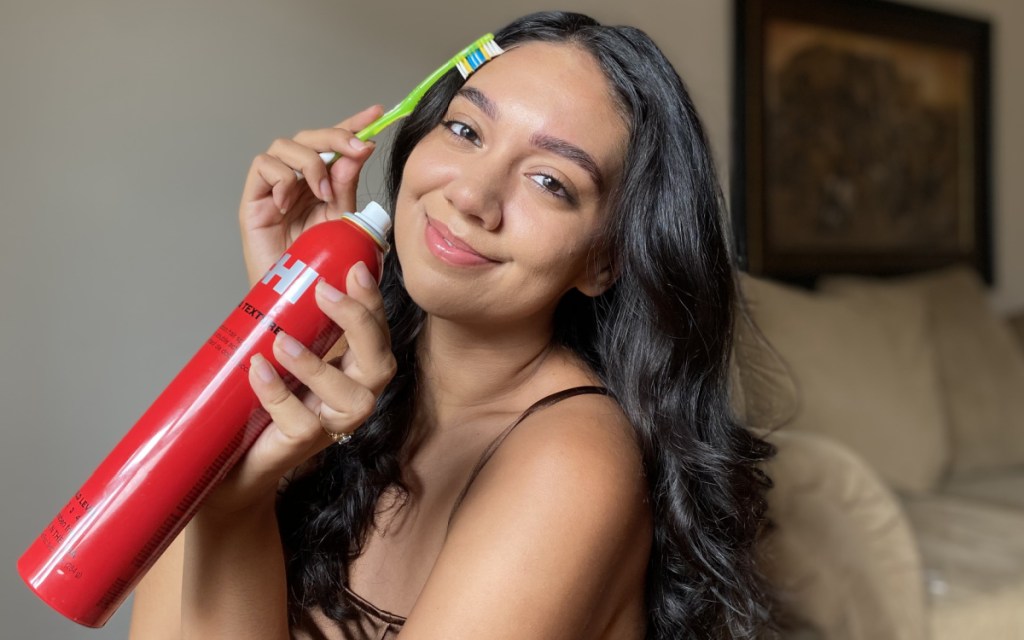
659, 340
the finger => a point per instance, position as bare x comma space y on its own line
351, 402
362, 119
346, 155
307, 161
364, 288
342, 141
368, 359
345, 181
268, 175
333, 424
296, 429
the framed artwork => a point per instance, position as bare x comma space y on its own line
861, 138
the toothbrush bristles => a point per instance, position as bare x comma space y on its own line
477, 57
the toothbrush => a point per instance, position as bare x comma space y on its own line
466, 61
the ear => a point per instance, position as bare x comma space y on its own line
599, 275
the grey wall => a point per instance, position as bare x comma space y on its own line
126, 132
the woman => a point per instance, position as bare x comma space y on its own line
542, 442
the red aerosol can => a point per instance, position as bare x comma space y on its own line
87, 561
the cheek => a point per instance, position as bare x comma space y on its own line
417, 179
426, 167
550, 262
405, 227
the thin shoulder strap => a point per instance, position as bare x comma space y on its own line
543, 403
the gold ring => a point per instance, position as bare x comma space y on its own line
338, 438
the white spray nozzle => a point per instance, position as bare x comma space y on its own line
374, 219
374, 215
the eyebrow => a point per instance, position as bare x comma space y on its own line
482, 102
572, 153
545, 142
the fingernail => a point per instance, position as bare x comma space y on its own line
290, 345
357, 144
363, 276
329, 292
263, 369
325, 190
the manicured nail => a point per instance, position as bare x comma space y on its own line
329, 292
325, 190
357, 144
363, 276
290, 345
263, 369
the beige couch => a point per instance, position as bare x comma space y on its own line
898, 409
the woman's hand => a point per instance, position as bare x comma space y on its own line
277, 205
340, 394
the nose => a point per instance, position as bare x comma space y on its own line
475, 191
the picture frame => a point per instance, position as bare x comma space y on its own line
860, 139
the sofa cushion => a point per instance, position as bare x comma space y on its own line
841, 555
1017, 324
973, 556
1004, 487
864, 373
981, 364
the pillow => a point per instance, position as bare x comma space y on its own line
864, 371
1017, 324
981, 364
842, 555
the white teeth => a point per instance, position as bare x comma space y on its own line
448, 242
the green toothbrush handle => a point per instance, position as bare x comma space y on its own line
398, 111
483, 49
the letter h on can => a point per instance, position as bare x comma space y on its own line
292, 281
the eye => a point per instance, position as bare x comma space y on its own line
461, 130
553, 186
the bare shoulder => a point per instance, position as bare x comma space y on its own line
578, 457
554, 535
572, 448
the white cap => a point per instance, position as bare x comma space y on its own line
374, 215
374, 219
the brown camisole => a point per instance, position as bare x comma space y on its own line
371, 623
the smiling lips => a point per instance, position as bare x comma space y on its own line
450, 249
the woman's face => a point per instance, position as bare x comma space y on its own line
501, 206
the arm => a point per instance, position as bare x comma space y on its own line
156, 607
234, 574
224, 576
553, 538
